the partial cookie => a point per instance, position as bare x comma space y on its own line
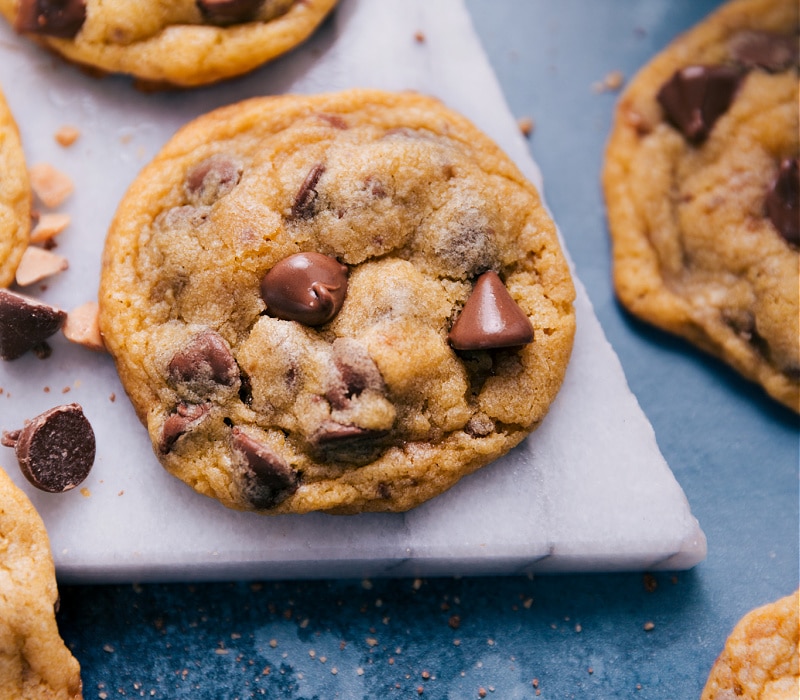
341, 302
183, 42
15, 197
701, 183
760, 659
34, 662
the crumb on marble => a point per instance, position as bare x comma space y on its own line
67, 135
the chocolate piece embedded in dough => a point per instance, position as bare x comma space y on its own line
58, 18
305, 287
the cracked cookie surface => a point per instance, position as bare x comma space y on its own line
34, 662
701, 185
15, 196
279, 287
181, 42
760, 658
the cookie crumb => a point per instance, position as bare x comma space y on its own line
650, 583
419, 36
85, 492
67, 135
612, 82
526, 126
50, 185
112, 397
649, 626
454, 622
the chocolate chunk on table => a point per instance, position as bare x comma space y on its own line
25, 323
56, 449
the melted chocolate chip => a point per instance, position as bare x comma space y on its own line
333, 435
225, 12
25, 324
768, 50
783, 200
213, 178
305, 287
490, 319
187, 416
303, 207
355, 372
203, 365
696, 96
57, 18
56, 449
268, 477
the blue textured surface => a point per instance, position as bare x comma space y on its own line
734, 452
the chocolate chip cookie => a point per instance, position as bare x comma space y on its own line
760, 659
701, 183
15, 197
184, 42
340, 302
34, 662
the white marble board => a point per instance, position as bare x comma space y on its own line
589, 491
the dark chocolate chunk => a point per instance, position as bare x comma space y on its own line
225, 12
303, 207
783, 200
57, 18
213, 178
490, 319
355, 372
268, 477
305, 287
203, 365
768, 50
25, 323
186, 417
56, 449
335, 435
696, 96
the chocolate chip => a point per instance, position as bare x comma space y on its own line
186, 417
56, 449
205, 364
229, 11
268, 477
783, 200
303, 207
57, 18
305, 287
355, 372
334, 435
25, 323
490, 319
696, 96
213, 178
768, 50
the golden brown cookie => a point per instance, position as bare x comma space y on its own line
760, 659
183, 42
340, 302
15, 197
701, 183
34, 662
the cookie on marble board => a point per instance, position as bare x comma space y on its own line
341, 302
183, 43
760, 658
34, 661
15, 196
701, 186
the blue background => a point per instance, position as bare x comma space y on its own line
734, 452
